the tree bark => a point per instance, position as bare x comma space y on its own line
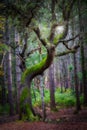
9, 70
52, 88
78, 106
9, 73
82, 54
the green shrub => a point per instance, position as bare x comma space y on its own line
65, 99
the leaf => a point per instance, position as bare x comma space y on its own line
3, 47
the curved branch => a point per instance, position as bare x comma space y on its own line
38, 69
37, 31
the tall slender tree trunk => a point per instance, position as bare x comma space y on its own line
9, 74
9, 70
18, 74
78, 106
52, 88
82, 54
13, 50
42, 98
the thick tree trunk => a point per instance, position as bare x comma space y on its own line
28, 82
78, 106
18, 83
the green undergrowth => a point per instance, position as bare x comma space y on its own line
64, 99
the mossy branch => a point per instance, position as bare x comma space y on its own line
33, 69
39, 68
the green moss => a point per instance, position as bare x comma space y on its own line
57, 38
24, 106
24, 94
34, 68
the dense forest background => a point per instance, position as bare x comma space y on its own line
43, 56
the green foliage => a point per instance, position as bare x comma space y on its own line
70, 67
45, 31
46, 15
3, 47
65, 99
47, 96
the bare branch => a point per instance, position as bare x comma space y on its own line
66, 45
70, 39
37, 31
32, 51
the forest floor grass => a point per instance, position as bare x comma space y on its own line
64, 119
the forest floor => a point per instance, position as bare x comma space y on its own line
64, 119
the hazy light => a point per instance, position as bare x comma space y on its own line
59, 30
